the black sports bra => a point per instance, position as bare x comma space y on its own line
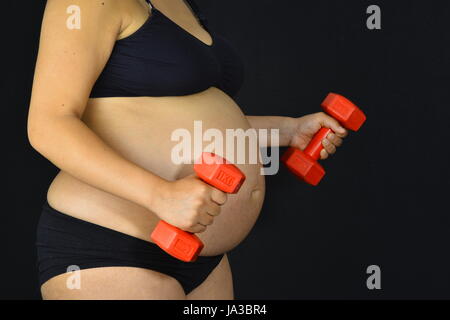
163, 59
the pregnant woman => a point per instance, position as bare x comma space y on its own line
113, 80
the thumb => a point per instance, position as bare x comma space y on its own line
333, 124
189, 175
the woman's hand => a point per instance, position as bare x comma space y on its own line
189, 204
303, 130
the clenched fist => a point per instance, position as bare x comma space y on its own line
189, 203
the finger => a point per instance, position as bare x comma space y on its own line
219, 197
334, 139
342, 134
329, 147
198, 228
333, 124
212, 209
323, 154
206, 219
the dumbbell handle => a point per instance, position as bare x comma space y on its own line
219, 174
182, 244
304, 164
163, 225
315, 146
337, 107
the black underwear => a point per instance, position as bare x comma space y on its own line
64, 241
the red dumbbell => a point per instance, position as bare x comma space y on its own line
304, 163
217, 172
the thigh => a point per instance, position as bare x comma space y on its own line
114, 283
218, 285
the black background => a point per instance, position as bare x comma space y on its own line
384, 200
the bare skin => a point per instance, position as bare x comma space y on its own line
132, 136
126, 283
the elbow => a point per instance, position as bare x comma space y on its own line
37, 133
34, 136
44, 130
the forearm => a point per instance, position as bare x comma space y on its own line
285, 125
74, 148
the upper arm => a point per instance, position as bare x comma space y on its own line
70, 60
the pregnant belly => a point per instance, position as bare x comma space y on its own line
141, 130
